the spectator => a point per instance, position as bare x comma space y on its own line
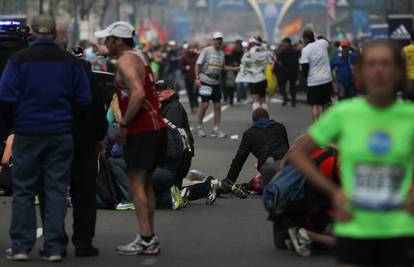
38, 77
342, 64
316, 69
289, 67
408, 53
187, 63
173, 72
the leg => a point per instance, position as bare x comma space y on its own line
25, 173
56, 167
137, 184
217, 114
292, 88
200, 190
152, 201
315, 112
202, 112
328, 240
120, 171
231, 95
162, 180
83, 193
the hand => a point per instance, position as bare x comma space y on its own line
409, 205
100, 147
121, 134
187, 67
197, 83
340, 202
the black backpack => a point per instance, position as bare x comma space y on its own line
106, 188
178, 142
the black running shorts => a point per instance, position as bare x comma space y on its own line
145, 151
376, 252
215, 94
320, 95
258, 88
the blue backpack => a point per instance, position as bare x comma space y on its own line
288, 186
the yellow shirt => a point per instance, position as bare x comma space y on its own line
409, 56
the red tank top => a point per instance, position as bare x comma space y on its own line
148, 118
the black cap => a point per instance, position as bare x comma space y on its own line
162, 85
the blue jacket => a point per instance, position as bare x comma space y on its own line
343, 68
46, 86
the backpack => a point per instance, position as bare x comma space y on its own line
106, 188
178, 142
287, 187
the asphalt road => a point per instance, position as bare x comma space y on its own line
232, 232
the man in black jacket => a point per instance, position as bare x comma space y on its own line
267, 140
289, 58
88, 138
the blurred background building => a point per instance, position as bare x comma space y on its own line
160, 20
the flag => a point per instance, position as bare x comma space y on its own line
292, 28
330, 7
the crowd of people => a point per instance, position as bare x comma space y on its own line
358, 152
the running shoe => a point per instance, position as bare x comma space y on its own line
177, 201
133, 248
212, 195
218, 134
53, 258
185, 195
140, 247
239, 191
125, 206
300, 245
10, 255
201, 133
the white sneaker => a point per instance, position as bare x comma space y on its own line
300, 245
133, 248
201, 133
53, 258
218, 134
212, 195
16, 257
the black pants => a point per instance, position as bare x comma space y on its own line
228, 94
191, 93
284, 79
83, 194
199, 191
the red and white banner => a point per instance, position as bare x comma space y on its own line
331, 9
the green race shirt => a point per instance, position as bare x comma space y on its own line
376, 148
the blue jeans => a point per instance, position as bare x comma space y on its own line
49, 157
241, 89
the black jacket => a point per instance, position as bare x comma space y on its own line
172, 110
262, 143
93, 126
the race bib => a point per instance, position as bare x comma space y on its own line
378, 187
205, 90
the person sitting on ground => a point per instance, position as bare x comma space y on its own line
267, 140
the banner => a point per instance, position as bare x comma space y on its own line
292, 28
379, 31
199, 5
230, 6
400, 27
181, 24
270, 11
330, 9
360, 22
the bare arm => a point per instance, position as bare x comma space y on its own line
300, 157
8, 150
133, 73
197, 71
231, 68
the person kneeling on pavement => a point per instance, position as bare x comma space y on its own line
268, 141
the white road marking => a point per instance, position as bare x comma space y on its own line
211, 115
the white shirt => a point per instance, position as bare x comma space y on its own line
253, 65
211, 61
316, 55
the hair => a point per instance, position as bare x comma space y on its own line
287, 40
398, 59
128, 42
260, 113
412, 35
337, 44
309, 35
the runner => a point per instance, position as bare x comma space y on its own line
317, 71
253, 71
374, 208
208, 70
408, 53
142, 129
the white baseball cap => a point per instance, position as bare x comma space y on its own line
217, 35
119, 29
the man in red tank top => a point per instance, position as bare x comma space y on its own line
142, 129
